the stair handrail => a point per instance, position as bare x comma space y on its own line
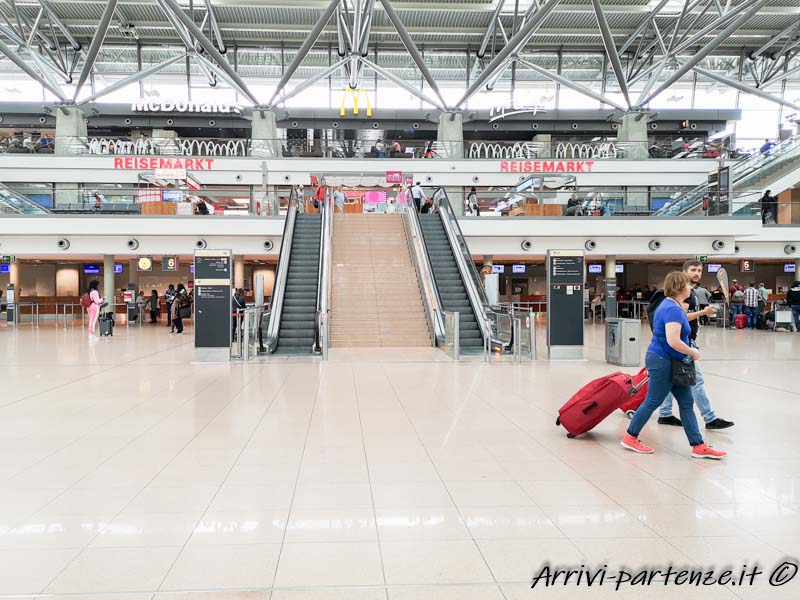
322, 333
418, 250
281, 274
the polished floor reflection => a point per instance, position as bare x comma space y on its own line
126, 471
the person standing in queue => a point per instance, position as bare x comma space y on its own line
153, 307
169, 298
179, 306
92, 301
670, 343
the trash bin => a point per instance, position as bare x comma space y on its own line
623, 342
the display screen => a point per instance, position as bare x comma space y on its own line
5, 268
498, 268
790, 268
518, 268
91, 269
117, 269
172, 196
595, 269
713, 268
620, 268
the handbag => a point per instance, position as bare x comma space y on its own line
184, 312
683, 373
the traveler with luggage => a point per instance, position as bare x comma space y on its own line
793, 300
91, 301
751, 297
169, 298
181, 308
670, 363
736, 292
693, 269
763, 298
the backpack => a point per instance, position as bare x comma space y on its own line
738, 296
86, 300
655, 301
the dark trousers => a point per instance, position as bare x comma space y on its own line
178, 322
169, 314
417, 204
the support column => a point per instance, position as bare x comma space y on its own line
238, 272
610, 285
71, 132
264, 141
450, 138
797, 269
13, 277
632, 136
133, 275
108, 278
68, 193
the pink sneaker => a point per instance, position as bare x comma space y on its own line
706, 451
632, 443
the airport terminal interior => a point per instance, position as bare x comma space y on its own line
399, 299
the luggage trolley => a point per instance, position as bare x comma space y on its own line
783, 317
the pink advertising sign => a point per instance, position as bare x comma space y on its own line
394, 177
374, 197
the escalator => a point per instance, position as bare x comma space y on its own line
455, 282
293, 324
449, 282
14, 203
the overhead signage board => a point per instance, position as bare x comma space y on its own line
144, 263
5, 268
9, 258
169, 264
498, 268
517, 268
747, 265
182, 106
790, 268
117, 269
546, 166
144, 163
170, 173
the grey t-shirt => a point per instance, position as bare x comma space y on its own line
703, 295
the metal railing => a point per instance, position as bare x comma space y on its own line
324, 277
246, 323
281, 275
432, 301
452, 334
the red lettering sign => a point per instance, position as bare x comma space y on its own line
546, 166
143, 163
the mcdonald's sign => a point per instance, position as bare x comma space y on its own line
356, 96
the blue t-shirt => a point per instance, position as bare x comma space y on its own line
668, 312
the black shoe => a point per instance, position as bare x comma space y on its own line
670, 420
719, 424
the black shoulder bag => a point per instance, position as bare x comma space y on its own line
683, 372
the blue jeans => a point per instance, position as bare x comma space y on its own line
752, 316
796, 315
660, 371
736, 308
700, 398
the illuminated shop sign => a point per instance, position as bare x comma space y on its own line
546, 166
155, 162
185, 107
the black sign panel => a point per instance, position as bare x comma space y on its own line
212, 267
212, 307
565, 300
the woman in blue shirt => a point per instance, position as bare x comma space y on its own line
670, 342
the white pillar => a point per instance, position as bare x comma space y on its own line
611, 267
108, 277
264, 135
633, 132
13, 277
238, 272
71, 132
797, 269
450, 135
133, 274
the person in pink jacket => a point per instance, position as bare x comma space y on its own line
93, 310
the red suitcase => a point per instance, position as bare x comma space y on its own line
740, 322
640, 381
595, 401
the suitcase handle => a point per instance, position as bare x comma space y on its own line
590, 407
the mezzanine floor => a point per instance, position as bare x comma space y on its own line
128, 472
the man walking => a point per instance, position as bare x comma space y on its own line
418, 194
338, 199
694, 269
751, 305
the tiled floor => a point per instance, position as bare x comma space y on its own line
126, 471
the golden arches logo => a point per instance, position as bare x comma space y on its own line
356, 96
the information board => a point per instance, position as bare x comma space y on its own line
565, 283
212, 304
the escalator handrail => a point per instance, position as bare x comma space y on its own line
281, 274
475, 293
424, 264
323, 276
